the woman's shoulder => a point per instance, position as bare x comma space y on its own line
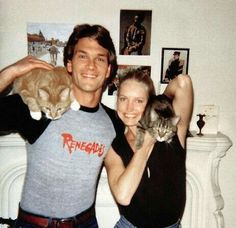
117, 123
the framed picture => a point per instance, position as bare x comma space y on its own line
46, 41
135, 32
174, 61
121, 72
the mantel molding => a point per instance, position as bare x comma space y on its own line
207, 151
209, 142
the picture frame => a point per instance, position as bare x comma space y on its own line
46, 41
135, 32
174, 61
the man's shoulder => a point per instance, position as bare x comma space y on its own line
143, 28
16, 118
13, 100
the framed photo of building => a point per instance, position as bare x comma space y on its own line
174, 61
46, 41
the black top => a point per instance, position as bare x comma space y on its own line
160, 198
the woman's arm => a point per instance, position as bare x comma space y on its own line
180, 90
8, 74
124, 181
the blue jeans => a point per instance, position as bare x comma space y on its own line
124, 223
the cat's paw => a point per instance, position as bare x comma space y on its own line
36, 115
138, 145
75, 105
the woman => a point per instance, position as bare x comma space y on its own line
149, 184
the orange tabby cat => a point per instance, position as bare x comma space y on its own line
49, 91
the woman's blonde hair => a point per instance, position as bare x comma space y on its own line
139, 75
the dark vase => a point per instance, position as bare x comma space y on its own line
200, 123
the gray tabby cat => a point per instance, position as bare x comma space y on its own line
158, 119
49, 91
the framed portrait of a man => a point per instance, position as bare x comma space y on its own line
135, 32
174, 62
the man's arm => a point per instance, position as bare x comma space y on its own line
9, 73
180, 90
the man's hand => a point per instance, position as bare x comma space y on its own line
27, 64
19, 68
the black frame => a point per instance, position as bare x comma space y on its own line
167, 54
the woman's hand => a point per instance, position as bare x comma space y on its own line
148, 143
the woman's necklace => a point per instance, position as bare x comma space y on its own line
148, 171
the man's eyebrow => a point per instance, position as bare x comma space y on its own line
102, 55
84, 52
79, 50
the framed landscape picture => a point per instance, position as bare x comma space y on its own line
46, 41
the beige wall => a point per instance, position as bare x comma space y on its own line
207, 27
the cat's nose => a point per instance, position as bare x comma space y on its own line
53, 115
161, 134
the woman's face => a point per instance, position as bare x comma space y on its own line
131, 101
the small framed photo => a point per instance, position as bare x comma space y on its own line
174, 61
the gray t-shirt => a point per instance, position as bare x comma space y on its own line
64, 163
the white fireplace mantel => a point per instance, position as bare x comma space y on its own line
204, 200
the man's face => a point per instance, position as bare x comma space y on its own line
176, 56
89, 66
136, 19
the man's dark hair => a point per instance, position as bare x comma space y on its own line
98, 33
141, 17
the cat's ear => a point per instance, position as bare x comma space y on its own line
175, 120
43, 94
153, 115
65, 93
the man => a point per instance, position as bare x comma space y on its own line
64, 157
135, 36
175, 66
